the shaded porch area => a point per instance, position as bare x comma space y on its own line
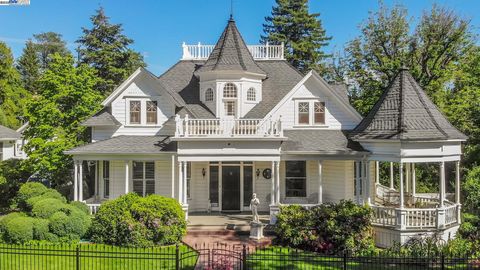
202, 221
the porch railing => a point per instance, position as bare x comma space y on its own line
258, 52
186, 127
93, 207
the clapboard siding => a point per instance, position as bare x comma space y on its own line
263, 186
199, 192
163, 178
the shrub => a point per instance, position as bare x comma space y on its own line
45, 208
27, 191
131, 220
72, 223
40, 229
81, 206
471, 190
49, 194
19, 230
13, 172
327, 228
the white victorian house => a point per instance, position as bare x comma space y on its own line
230, 120
11, 143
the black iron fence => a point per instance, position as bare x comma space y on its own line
213, 257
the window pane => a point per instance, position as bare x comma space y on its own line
230, 109
296, 178
149, 187
247, 185
135, 109
319, 113
106, 169
138, 187
214, 184
251, 94
189, 176
229, 90
303, 112
296, 187
106, 187
137, 170
149, 170
151, 112
296, 168
209, 94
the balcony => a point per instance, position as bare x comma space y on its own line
258, 52
227, 128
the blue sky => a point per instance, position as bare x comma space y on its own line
159, 27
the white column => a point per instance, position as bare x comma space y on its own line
180, 182
320, 184
407, 177
75, 180
272, 191
96, 180
442, 183
127, 175
392, 186
367, 182
185, 201
277, 181
173, 176
377, 172
414, 181
457, 182
357, 180
80, 186
402, 204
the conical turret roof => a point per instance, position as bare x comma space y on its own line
404, 112
231, 54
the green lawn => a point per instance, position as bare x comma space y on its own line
92, 257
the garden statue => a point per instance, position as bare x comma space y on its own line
254, 206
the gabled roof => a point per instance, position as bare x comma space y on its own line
231, 53
404, 112
102, 118
321, 141
8, 134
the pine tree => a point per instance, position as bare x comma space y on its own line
29, 67
47, 44
12, 94
301, 32
105, 48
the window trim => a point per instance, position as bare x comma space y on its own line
250, 91
147, 111
129, 105
234, 88
143, 111
209, 90
106, 180
311, 113
306, 178
144, 179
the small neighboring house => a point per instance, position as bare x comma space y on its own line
229, 120
11, 143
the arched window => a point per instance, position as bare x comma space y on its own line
209, 94
229, 90
251, 94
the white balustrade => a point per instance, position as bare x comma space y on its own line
421, 218
258, 52
451, 214
227, 127
385, 216
93, 207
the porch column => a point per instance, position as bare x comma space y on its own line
96, 180
457, 190
377, 172
357, 181
75, 180
185, 201
127, 175
414, 181
442, 183
277, 181
402, 204
173, 176
367, 182
320, 187
407, 177
80, 186
392, 186
272, 191
180, 185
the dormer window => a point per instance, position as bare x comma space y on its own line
310, 112
304, 113
151, 112
209, 94
229, 90
135, 112
251, 94
319, 113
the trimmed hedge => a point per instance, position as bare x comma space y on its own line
131, 220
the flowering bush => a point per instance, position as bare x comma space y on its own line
327, 228
131, 220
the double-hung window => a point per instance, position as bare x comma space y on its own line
296, 178
310, 112
152, 112
144, 177
106, 178
135, 112
304, 113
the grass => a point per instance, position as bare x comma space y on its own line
288, 258
92, 257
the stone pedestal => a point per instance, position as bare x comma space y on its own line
256, 230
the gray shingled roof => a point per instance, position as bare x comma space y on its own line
342, 89
323, 141
8, 134
231, 53
404, 112
102, 118
128, 145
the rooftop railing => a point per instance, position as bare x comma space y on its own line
258, 52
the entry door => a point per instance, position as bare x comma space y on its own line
231, 188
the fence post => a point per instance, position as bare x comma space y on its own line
244, 257
77, 257
344, 260
443, 261
177, 257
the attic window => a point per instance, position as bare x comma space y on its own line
229, 90
303, 112
151, 112
209, 94
251, 94
135, 111
319, 113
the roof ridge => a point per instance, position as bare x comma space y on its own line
237, 46
401, 116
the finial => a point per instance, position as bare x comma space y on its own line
231, 11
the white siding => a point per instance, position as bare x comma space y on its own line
337, 180
117, 178
199, 192
262, 186
163, 178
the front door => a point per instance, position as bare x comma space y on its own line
231, 188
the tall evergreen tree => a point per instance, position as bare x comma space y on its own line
29, 67
106, 48
67, 98
301, 32
12, 94
47, 44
